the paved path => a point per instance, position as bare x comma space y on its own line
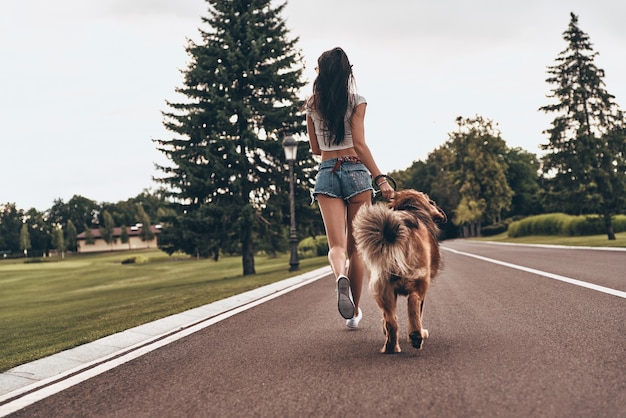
515, 332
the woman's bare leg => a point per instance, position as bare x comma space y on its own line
334, 215
356, 269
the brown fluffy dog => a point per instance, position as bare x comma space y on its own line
399, 245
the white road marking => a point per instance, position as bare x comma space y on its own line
569, 280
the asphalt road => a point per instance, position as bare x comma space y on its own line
504, 341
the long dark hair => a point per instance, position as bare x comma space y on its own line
332, 91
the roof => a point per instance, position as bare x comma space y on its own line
132, 231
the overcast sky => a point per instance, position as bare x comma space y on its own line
83, 83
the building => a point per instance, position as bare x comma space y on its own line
134, 240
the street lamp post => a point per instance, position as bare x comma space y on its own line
291, 150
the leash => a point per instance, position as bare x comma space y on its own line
393, 184
377, 192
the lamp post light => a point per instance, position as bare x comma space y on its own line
291, 150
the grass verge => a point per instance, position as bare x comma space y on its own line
48, 307
585, 241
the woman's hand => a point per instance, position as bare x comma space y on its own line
387, 190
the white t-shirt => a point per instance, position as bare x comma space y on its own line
325, 137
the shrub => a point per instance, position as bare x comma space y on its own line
619, 223
134, 260
585, 225
39, 260
562, 224
495, 229
313, 247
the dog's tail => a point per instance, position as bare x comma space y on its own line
381, 236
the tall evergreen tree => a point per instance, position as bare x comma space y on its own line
124, 238
70, 235
25, 239
89, 238
58, 242
106, 231
585, 161
146, 233
227, 162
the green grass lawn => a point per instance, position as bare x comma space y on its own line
586, 241
48, 307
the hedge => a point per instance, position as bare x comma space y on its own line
563, 224
313, 247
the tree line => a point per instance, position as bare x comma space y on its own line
225, 189
228, 177
35, 233
480, 181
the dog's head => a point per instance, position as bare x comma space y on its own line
415, 201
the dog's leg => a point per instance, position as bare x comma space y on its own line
417, 334
390, 327
387, 301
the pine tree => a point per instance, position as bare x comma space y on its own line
227, 163
146, 233
106, 231
585, 161
25, 239
124, 238
89, 238
70, 235
58, 242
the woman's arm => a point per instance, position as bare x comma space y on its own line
358, 138
310, 128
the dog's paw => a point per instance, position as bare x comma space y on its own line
390, 349
417, 338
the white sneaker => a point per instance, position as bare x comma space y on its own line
344, 297
353, 323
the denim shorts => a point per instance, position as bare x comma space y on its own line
345, 182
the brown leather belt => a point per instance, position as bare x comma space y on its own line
346, 159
